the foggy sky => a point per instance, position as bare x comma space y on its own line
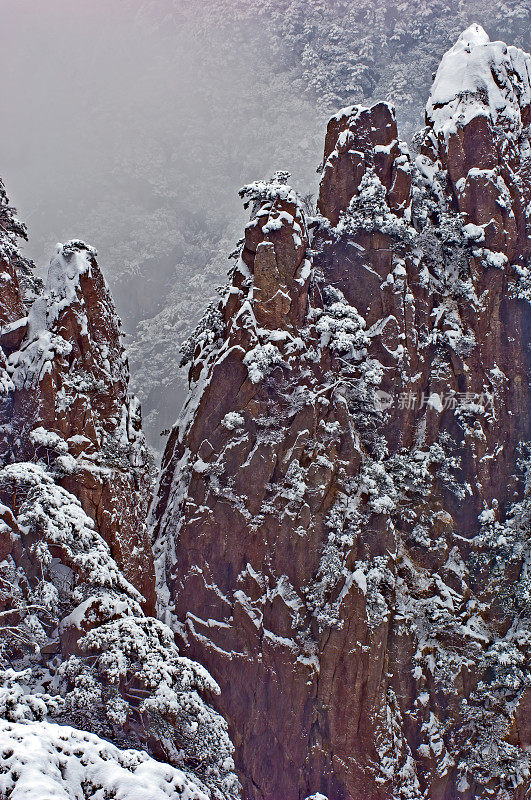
131, 124
92, 101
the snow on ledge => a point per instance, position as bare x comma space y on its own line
71, 260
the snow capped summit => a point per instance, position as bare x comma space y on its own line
477, 76
478, 138
71, 260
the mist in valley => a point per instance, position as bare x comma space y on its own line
133, 124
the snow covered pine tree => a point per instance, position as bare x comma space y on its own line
82, 664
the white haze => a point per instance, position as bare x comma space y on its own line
101, 112
133, 123
137, 138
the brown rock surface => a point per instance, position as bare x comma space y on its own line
341, 522
358, 139
70, 407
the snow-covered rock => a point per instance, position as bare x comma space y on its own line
355, 572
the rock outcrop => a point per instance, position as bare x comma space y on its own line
77, 645
71, 407
342, 520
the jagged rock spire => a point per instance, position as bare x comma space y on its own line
341, 522
478, 117
71, 378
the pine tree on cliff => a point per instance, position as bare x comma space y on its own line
77, 645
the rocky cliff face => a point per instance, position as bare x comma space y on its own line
77, 647
342, 521
70, 406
